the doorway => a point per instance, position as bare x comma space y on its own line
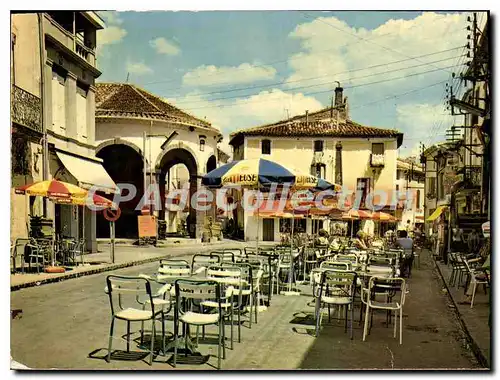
268, 229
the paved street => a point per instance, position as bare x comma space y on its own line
63, 323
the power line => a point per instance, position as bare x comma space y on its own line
356, 36
327, 75
322, 84
319, 92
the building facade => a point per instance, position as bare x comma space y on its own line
141, 138
410, 178
53, 58
327, 144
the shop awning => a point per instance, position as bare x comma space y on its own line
437, 212
88, 172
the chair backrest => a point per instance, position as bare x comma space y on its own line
204, 260
18, 246
250, 250
394, 287
129, 290
379, 269
380, 260
338, 283
189, 289
246, 271
225, 256
225, 274
171, 270
339, 265
238, 252
351, 258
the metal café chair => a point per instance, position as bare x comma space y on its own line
124, 293
201, 261
187, 291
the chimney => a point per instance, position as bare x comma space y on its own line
307, 117
338, 96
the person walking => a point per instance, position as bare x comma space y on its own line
406, 243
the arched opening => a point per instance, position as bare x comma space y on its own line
211, 163
124, 165
178, 165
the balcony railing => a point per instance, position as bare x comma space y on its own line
26, 109
377, 160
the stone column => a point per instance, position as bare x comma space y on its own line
70, 103
91, 115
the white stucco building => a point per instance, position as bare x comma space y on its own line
325, 143
54, 71
410, 179
132, 125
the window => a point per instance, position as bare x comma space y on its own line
266, 146
431, 185
378, 148
81, 111
58, 101
418, 199
318, 146
319, 170
202, 143
299, 225
363, 185
397, 187
20, 155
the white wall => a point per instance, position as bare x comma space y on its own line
299, 153
132, 131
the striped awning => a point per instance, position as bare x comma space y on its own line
437, 212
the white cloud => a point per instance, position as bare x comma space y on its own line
111, 17
226, 75
163, 46
332, 48
138, 68
426, 123
110, 35
262, 108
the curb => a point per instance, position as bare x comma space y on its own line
108, 268
85, 273
483, 361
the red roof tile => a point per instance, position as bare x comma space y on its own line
321, 123
124, 99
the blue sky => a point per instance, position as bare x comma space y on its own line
247, 68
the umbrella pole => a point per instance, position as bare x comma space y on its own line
258, 228
54, 237
84, 246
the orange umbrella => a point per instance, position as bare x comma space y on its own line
95, 200
357, 214
382, 216
52, 189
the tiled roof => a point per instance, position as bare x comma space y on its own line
320, 128
127, 100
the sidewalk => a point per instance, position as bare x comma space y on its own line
474, 320
125, 256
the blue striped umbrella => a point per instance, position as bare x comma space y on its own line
256, 173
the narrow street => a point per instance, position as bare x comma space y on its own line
63, 323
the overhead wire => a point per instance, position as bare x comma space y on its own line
318, 84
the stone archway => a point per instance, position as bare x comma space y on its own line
124, 164
167, 160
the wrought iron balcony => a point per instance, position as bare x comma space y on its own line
377, 160
26, 109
